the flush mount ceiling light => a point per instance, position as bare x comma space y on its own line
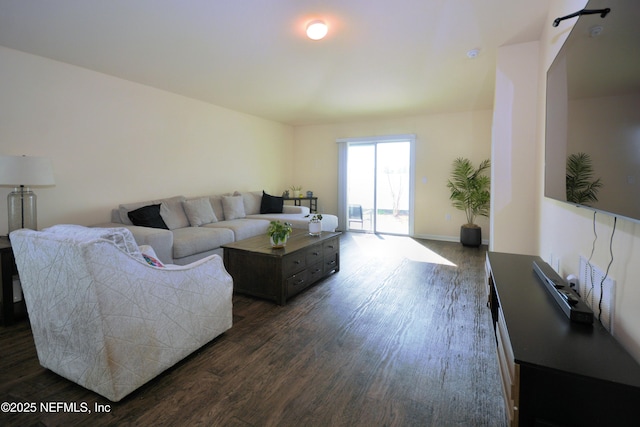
316, 30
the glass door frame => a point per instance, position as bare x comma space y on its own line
343, 152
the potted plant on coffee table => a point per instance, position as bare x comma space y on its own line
279, 233
315, 224
470, 192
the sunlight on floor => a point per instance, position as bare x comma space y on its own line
398, 246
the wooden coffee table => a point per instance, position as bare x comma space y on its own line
278, 274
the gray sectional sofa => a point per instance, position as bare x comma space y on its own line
195, 227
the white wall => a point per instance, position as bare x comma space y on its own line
514, 175
112, 141
440, 138
566, 232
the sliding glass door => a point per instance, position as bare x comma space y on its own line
361, 187
377, 185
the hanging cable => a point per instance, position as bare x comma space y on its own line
589, 266
606, 273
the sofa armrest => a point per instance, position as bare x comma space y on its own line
290, 209
159, 239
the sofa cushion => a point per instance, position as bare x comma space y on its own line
194, 240
252, 201
199, 211
147, 216
216, 204
243, 228
172, 213
270, 204
233, 207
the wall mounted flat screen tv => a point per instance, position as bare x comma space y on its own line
592, 143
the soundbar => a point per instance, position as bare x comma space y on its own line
568, 300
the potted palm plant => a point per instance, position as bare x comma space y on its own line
279, 233
470, 193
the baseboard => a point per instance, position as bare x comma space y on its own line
437, 237
441, 238
444, 238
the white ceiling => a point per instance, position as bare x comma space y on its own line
381, 58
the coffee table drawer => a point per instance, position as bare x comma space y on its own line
293, 263
331, 246
314, 254
297, 283
331, 263
316, 272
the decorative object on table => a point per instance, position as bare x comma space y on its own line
470, 192
296, 191
309, 193
22, 172
315, 224
285, 194
581, 187
279, 233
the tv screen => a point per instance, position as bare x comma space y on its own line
592, 143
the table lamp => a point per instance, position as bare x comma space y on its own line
22, 172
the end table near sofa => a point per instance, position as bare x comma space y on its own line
313, 202
8, 270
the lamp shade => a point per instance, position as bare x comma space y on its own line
26, 170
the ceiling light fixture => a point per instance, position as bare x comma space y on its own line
316, 30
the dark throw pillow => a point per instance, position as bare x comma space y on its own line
271, 204
148, 216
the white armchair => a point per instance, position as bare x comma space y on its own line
105, 318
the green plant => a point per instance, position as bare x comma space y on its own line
279, 231
296, 188
314, 217
470, 188
581, 188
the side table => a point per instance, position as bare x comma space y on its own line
7, 270
313, 202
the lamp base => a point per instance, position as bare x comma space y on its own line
21, 203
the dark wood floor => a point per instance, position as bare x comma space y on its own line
401, 336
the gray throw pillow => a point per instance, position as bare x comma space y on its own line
199, 211
233, 207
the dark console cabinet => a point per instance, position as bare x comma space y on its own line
555, 372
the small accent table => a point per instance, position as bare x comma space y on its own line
313, 202
7, 271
